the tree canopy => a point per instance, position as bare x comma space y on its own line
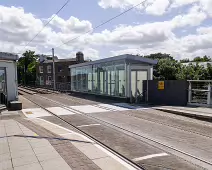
170, 69
27, 67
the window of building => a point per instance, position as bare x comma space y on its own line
68, 78
59, 68
41, 69
59, 78
49, 78
41, 80
49, 69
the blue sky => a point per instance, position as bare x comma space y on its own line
181, 28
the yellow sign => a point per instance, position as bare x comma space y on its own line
161, 85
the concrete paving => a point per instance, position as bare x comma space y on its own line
29, 152
19, 153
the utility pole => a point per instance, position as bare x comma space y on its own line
53, 69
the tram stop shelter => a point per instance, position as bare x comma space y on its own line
8, 81
117, 77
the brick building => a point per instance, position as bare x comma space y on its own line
62, 72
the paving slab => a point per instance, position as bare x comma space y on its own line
5, 157
109, 163
33, 166
4, 148
48, 155
55, 164
22, 153
5, 165
43, 149
25, 160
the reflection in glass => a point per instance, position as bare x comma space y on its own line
89, 72
104, 78
133, 83
2, 81
141, 75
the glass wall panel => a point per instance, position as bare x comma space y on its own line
95, 79
104, 78
78, 79
89, 73
3, 81
113, 83
84, 79
141, 76
120, 79
110, 81
73, 79
133, 83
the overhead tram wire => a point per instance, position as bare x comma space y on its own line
109, 20
46, 24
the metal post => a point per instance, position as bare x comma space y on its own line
209, 94
189, 93
53, 69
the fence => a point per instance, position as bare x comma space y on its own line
200, 92
63, 87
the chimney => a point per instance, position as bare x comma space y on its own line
80, 57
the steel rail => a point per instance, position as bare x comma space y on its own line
122, 157
123, 129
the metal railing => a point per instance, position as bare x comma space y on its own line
200, 92
60, 86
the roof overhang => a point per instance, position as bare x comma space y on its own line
127, 57
8, 56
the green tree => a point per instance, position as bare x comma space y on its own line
209, 72
192, 72
27, 67
186, 60
202, 59
167, 66
167, 69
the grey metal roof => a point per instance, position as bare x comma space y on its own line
60, 60
8, 56
129, 57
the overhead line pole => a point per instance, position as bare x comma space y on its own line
53, 69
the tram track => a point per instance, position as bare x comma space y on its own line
140, 137
147, 119
122, 157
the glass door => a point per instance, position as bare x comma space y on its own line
137, 78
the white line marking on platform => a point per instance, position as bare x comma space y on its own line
149, 157
88, 109
113, 107
128, 166
35, 112
60, 111
64, 134
88, 125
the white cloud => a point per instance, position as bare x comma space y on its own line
17, 27
158, 7
194, 17
119, 3
72, 25
89, 53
